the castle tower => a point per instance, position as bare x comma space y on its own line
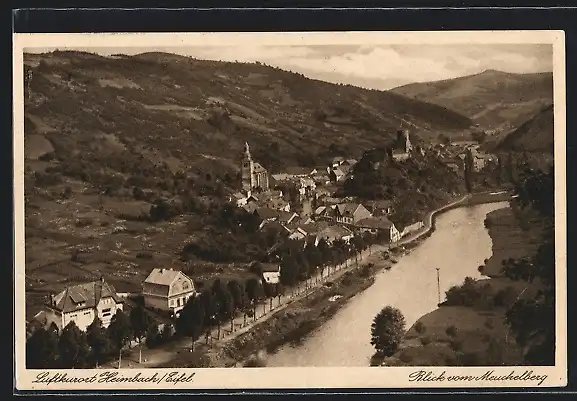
403, 141
247, 169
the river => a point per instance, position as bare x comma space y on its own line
458, 246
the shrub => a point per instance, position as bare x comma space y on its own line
347, 280
84, 222
505, 297
255, 361
465, 295
405, 357
469, 359
144, 255
451, 331
365, 271
456, 345
426, 340
420, 327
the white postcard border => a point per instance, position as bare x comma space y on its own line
301, 377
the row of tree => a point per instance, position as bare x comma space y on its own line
221, 303
298, 264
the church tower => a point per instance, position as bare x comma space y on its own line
408, 145
247, 170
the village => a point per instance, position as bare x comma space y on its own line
299, 203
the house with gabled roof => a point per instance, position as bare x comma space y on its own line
270, 273
273, 226
297, 171
333, 233
81, 304
277, 203
374, 225
381, 207
350, 213
167, 290
339, 173
337, 161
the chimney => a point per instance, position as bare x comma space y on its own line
162, 270
102, 279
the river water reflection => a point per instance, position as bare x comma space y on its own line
458, 246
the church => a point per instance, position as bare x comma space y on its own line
254, 176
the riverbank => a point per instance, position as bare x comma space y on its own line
288, 326
469, 328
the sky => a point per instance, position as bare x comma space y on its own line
372, 66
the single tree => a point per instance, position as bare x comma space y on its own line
387, 330
210, 306
97, 340
120, 332
254, 289
73, 347
313, 255
140, 322
358, 246
225, 305
236, 291
289, 273
42, 349
326, 254
191, 320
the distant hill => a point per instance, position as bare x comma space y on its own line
492, 99
157, 107
535, 135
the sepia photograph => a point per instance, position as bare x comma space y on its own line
338, 201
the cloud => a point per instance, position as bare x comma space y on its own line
377, 66
383, 67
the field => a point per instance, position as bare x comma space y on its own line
83, 238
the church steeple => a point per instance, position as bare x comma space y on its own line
247, 151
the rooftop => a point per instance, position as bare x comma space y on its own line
162, 276
82, 296
375, 222
297, 170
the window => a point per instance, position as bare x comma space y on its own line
106, 312
86, 313
73, 316
171, 303
178, 302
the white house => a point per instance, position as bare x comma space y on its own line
167, 290
413, 227
239, 199
80, 304
375, 225
271, 273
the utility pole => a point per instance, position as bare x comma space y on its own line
438, 288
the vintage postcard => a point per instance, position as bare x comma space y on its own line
290, 210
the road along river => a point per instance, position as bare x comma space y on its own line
457, 247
